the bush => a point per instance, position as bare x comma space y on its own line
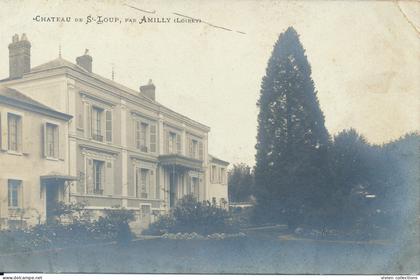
192, 216
71, 226
115, 225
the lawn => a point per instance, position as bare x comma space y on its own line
241, 255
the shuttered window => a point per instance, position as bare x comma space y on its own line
153, 138
14, 193
98, 176
108, 126
142, 183
51, 140
14, 131
97, 124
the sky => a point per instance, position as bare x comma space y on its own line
364, 56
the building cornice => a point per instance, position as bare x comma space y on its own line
33, 108
110, 88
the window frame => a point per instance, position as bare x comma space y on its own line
17, 133
96, 123
98, 173
55, 140
18, 193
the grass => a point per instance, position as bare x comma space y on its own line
246, 255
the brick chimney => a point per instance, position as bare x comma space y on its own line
148, 90
85, 61
19, 56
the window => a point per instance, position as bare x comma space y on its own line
213, 173
51, 140
153, 138
194, 148
108, 126
142, 183
223, 175
97, 124
195, 184
98, 176
14, 189
172, 143
143, 137
14, 132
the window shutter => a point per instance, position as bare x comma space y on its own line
109, 178
89, 121
59, 144
133, 187
89, 176
44, 139
166, 133
200, 150
178, 143
137, 134
103, 173
20, 134
108, 126
3, 133
191, 147
153, 138
152, 184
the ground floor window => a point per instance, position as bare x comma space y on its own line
144, 182
14, 193
194, 186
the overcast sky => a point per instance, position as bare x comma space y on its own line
364, 57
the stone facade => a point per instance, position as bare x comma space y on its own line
124, 148
33, 159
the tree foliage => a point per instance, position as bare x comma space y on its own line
292, 171
190, 215
240, 183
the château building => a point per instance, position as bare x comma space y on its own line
85, 138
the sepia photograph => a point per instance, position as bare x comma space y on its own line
226, 137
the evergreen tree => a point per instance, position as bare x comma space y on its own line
291, 170
240, 183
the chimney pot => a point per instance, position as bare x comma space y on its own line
19, 56
149, 90
85, 61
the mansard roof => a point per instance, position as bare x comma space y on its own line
16, 98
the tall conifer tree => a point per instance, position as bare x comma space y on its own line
291, 164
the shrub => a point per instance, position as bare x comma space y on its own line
189, 215
114, 225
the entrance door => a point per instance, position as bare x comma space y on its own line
51, 199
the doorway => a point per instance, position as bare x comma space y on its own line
52, 197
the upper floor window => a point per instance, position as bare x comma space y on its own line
141, 136
222, 175
145, 135
14, 124
172, 143
195, 149
213, 173
97, 124
51, 140
108, 126
14, 193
